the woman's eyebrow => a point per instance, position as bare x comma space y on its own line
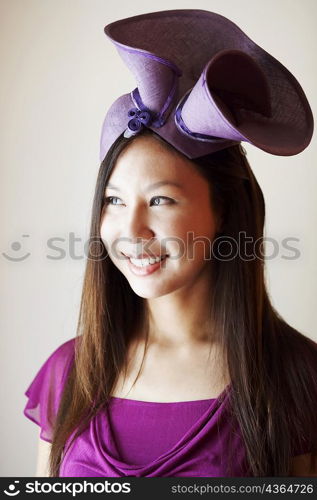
151, 186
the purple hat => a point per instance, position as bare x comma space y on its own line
203, 85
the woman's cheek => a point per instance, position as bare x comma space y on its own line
107, 235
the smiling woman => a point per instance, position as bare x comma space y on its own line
141, 330
219, 384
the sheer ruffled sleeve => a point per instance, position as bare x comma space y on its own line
44, 392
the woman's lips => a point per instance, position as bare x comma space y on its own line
145, 270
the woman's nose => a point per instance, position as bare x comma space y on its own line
137, 225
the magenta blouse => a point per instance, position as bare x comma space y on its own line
140, 438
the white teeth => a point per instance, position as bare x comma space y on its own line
146, 262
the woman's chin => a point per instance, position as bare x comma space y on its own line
150, 291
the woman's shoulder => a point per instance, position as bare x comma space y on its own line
44, 391
64, 351
305, 350
54, 367
60, 359
300, 389
66, 347
298, 345
299, 357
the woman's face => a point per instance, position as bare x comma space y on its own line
157, 204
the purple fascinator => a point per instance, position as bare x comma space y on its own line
204, 85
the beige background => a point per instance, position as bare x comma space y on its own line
59, 74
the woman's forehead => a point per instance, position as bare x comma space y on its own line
147, 157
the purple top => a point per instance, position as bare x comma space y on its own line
140, 438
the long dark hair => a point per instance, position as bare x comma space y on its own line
272, 366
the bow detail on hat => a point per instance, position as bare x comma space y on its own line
138, 119
141, 116
204, 85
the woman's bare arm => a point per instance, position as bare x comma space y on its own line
44, 448
301, 466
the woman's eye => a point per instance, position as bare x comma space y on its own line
113, 200
169, 200
108, 200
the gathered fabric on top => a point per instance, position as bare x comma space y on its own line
140, 438
131, 439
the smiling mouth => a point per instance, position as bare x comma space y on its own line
146, 261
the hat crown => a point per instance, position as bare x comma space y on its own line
229, 89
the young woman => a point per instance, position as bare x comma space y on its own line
181, 366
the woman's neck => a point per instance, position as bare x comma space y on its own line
182, 317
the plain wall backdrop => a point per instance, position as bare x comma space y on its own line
59, 75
